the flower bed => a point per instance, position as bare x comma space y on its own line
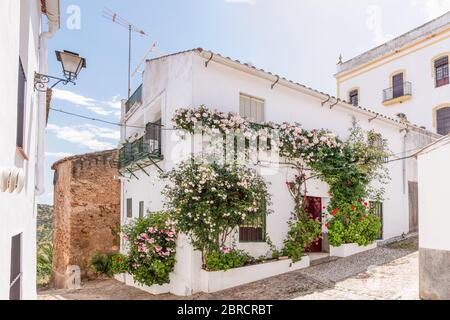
350, 249
221, 280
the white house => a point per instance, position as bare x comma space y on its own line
434, 216
407, 75
23, 51
199, 77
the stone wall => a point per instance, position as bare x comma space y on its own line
86, 211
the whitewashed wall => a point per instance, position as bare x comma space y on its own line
434, 215
18, 211
417, 63
185, 81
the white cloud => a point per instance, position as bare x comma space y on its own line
58, 155
103, 108
88, 136
374, 24
433, 8
252, 2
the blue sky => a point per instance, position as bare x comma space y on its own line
299, 39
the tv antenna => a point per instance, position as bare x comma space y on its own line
115, 18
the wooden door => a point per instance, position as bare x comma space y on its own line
413, 206
15, 284
397, 83
314, 208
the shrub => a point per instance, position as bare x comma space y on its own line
301, 234
226, 259
100, 263
119, 264
353, 223
152, 248
44, 263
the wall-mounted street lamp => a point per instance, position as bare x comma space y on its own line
72, 65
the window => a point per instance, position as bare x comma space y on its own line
129, 208
441, 68
443, 121
252, 109
397, 85
15, 283
141, 209
376, 208
254, 229
21, 106
354, 97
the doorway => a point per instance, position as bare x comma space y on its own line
15, 284
314, 208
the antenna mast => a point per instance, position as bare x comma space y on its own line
115, 18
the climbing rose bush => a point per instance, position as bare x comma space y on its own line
152, 248
210, 200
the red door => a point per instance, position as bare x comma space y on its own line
314, 208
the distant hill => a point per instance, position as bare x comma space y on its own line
44, 223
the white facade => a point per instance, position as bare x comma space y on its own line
434, 217
414, 54
183, 80
22, 36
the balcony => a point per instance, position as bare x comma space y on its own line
135, 100
143, 152
397, 94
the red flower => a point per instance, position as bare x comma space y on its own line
353, 208
366, 204
334, 212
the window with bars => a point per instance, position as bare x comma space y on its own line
443, 121
354, 97
254, 228
441, 71
21, 106
252, 108
141, 209
376, 208
129, 208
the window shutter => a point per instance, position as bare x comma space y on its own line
129, 208
141, 209
20, 106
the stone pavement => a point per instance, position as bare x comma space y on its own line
396, 280
387, 272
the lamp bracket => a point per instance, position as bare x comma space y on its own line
41, 81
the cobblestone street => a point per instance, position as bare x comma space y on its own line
387, 272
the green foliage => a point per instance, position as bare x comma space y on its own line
302, 233
226, 259
119, 264
100, 263
44, 263
152, 248
353, 223
209, 201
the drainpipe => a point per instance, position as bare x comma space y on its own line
404, 161
53, 15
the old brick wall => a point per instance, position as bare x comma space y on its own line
87, 211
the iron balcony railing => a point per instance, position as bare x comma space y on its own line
135, 99
147, 148
397, 91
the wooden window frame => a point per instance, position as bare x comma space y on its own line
441, 65
446, 127
254, 230
352, 93
376, 208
